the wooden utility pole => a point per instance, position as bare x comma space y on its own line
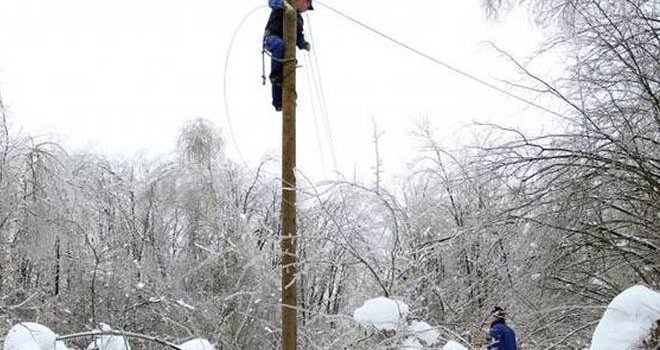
288, 208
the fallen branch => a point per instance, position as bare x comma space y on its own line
118, 333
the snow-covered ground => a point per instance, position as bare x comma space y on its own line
35, 336
452, 345
627, 322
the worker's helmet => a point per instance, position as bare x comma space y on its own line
498, 312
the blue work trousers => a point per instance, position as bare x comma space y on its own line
275, 45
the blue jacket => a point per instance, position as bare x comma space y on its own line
502, 337
275, 25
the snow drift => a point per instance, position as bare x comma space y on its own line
382, 313
32, 336
197, 344
628, 320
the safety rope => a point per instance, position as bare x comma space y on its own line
265, 52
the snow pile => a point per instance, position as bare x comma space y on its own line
197, 344
109, 342
452, 345
628, 320
424, 332
411, 344
31, 336
387, 315
382, 313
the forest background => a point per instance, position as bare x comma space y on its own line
550, 226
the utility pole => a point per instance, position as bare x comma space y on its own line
288, 225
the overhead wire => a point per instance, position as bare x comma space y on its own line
315, 71
314, 114
224, 82
226, 99
316, 74
318, 86
436, 60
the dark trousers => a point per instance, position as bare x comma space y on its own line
275, 45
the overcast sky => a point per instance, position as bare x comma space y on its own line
123, 76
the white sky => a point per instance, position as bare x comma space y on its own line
123, 76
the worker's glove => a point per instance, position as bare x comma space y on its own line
307, 46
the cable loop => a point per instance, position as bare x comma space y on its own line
281, 60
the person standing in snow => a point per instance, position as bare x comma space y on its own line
499, 335
274, 42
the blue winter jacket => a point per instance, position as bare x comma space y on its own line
502, 337
275, 24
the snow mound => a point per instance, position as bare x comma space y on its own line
424, 332
628, 319
109, 342
382, 313
25, 345
197, 344
411, 344
31, 336
452, 345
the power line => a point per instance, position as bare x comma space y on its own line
318, 84
226, 99
224, 81
316, 123
437, 61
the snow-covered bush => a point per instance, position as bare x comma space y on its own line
628, 320
197, 344
382, 313
32, 336
109, 342
427, 334
389, 318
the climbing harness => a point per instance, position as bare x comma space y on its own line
265, 52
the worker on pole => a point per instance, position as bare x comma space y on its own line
274, 42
